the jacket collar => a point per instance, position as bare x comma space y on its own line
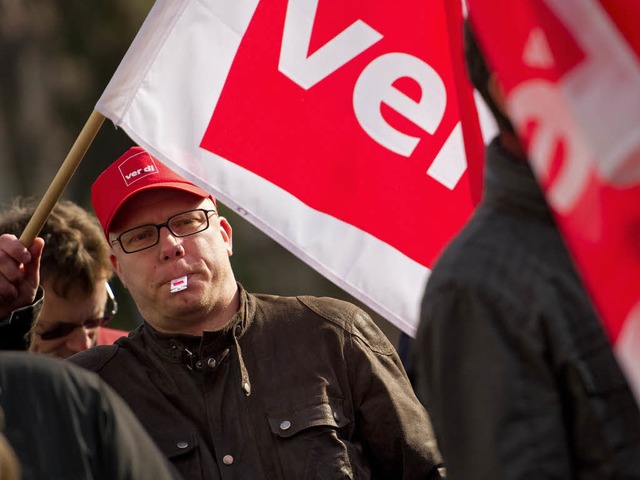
188, 349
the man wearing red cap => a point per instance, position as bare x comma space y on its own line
238, 385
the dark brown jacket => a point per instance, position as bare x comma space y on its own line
292, 388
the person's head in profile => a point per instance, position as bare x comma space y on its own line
74, 271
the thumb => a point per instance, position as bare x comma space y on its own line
32, 269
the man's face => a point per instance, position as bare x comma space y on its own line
202, 257
63, 319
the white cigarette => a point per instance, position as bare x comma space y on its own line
178, 284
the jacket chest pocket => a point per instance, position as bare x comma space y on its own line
182, 449
309, 442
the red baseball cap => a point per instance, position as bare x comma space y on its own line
134, 172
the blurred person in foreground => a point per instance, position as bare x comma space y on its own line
234, 384
74, 272
63, 422
510, 357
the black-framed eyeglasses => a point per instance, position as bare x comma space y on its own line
62, 329
180, 225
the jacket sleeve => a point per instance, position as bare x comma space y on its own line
394, 426
15, 326
482, 369
27, 310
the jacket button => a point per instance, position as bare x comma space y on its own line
182, 444
285, 425
227, 459
211, 362
336, 416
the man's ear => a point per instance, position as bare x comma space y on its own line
227, 234
509, 138
116, 267
498, 95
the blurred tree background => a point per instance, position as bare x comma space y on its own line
56, 58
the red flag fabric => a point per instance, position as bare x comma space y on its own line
335, 127
571, 71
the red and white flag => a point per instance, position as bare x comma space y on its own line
571, 70
335, 127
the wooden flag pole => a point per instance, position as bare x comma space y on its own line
61, 180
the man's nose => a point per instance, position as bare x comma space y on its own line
78, 340
170, 245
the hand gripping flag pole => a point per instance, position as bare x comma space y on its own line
61, 180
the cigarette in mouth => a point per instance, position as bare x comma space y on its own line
178, 284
